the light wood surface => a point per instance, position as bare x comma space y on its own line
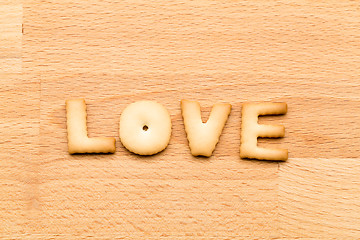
113, 53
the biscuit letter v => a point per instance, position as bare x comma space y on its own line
203, 137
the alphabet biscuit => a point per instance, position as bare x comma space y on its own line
145, 127
251, 130
78, 140
203, 137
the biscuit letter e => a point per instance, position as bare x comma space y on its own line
251, 130
78, 141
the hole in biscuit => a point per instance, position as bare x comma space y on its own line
145, 128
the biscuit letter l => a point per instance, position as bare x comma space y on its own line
251, 130
78, 141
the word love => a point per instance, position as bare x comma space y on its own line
145, 129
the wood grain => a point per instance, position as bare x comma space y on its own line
10, 37
319, 198
113, 53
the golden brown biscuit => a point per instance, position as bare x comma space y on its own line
251, 130
78, 141
145, 127
203, 137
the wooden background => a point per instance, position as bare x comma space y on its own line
113, 53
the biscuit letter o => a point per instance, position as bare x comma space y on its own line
251, 130
145, 127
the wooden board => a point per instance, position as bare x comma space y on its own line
113, 53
